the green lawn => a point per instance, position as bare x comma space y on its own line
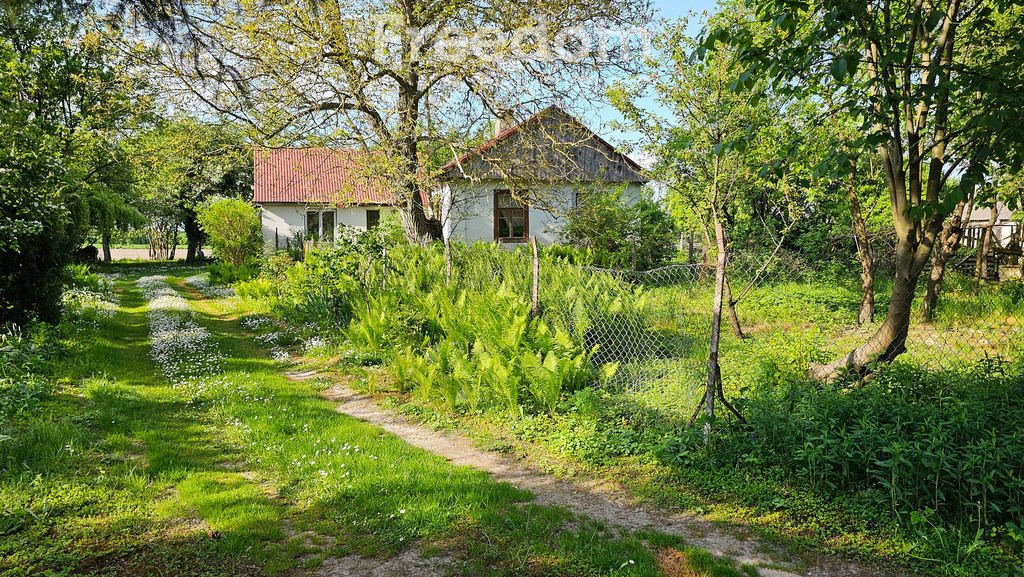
117, 471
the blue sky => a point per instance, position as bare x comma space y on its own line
677, 8
670, 9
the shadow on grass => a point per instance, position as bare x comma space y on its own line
116, 473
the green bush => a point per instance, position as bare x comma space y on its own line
617, 232
233, 228
911, 441
25, 355
80, 276
226, 273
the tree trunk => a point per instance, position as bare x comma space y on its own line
949, 243
194, 236
714, 368
889, 341
981, 264
535, 273
418, 228
864, 252
106, 247
734, 318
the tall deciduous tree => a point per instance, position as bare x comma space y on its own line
61, 95
712, 148
404, 77
180, 163
706, 157
937, 87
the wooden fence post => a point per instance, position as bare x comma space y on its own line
535, 292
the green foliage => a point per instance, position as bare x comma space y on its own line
620, 232
226, 273
181, 163
468, 343
934, 450
1013, 289
59, 161
80, 276
233, 227
25, 359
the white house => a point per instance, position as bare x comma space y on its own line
520, 184
1005, 229
524, 181
313, 192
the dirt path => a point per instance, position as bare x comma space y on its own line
593, 501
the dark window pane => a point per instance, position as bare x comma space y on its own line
510, 217
372, 218
312, 225
327, 226
518, 224
504, 227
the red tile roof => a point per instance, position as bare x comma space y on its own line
319, 176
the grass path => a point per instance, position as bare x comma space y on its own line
243, 472
596, 501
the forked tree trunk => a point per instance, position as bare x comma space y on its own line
715, 388
949, 243
418, 228
864, 252
912, 189
714, 369
889, 341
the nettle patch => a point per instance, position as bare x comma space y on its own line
186, 352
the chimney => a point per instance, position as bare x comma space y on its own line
499, 127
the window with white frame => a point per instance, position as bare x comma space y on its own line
320, 225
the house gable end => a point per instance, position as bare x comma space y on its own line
551, 146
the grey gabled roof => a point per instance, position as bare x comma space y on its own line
550, 146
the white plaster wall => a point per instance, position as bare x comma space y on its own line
286, 220
468, 209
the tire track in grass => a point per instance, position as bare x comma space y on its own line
243, 517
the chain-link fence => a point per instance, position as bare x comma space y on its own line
652, 329
782, 316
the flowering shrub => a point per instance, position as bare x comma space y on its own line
90, 296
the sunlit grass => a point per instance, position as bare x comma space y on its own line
120, 472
